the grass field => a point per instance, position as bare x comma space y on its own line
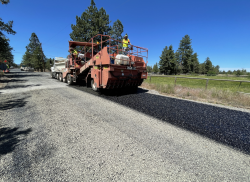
195, 83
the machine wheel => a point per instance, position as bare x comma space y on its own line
51, 74
60, 77
93, 86
65, 80
57, 76
69, 79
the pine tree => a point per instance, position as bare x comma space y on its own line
48, 63
195, 63
185, 52
116, 34
217, 69
5, 48
168, 64
6, 27
149, 69
155, 68
208, 65
37, 58
202, 68
163, 64
179, 67
5, 51
117, 30
91, 23
33, 56
4, 1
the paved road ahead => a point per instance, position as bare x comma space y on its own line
52, 132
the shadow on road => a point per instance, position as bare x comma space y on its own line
20, 86
10, 137
228, 127
13, 80
13, 103
22, 75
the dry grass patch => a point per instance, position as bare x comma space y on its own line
213, 95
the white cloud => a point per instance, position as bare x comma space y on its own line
226, 69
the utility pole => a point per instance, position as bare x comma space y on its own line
43, 57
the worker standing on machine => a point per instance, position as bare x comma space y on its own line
125, 43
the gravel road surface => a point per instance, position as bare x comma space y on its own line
53, 132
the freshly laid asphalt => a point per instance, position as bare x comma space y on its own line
50, 131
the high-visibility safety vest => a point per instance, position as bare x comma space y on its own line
125, 42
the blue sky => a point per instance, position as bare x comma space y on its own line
219, 29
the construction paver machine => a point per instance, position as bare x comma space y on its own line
102, 64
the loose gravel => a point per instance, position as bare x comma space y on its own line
52, 132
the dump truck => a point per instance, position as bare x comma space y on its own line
58, 68
101, 63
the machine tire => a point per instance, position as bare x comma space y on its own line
60, 77
93, 86
69, 79
65, 80
57, 76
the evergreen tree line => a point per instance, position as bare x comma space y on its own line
5, 48
183, 60
235, 72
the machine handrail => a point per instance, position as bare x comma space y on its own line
131, 52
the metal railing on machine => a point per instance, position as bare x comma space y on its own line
115, 47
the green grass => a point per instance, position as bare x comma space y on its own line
195, 83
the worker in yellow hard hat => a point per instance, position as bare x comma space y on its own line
73, 51
125, 43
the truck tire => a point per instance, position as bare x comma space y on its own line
60, 77
69, 79
57, 76
65, 80
93, 86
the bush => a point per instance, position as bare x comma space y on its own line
194, 74
238, 73
211, 73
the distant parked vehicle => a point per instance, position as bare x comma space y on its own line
22, 67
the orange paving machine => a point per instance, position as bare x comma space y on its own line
102, 64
